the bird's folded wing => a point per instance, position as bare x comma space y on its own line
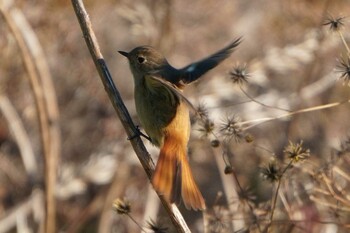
172, 87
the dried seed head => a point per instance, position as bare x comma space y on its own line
239, 74
246, 195
296, 152
206, 127
230, 129
344, 69
334, 24
121, 206
156, 227
202, 112
271, 172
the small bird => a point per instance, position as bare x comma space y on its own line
164, 114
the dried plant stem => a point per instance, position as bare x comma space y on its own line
251, 208
288, 221
19, 133
151, 208
230, 189
344, 42
45, 100
273, 207
113, 93
116, 189
326, 203
285, 204
328, 183
274, 200
27, 207
260, 103
137, 224
341, 173
311, 109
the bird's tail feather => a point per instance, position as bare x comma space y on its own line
173, 176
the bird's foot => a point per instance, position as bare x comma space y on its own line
139, 134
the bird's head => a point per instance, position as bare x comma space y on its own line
144, 60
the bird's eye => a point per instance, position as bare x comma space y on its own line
141, 60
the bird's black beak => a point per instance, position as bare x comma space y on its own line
125, 54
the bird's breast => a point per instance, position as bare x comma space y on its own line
159, 110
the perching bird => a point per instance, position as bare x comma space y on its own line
164, 114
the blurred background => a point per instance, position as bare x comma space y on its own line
60, 136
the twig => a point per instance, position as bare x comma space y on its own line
113, 93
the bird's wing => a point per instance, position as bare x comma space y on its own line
195, 70
173, 88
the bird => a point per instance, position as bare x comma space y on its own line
163, 112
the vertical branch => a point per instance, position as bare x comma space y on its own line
113, 93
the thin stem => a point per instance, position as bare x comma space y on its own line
249, 205
311, 109
344, 42
132, 219
274, 202
261, 103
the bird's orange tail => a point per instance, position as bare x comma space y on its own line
173, 176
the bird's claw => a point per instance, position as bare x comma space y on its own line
139, 134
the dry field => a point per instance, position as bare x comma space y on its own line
270, 150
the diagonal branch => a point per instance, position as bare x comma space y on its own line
121, 110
